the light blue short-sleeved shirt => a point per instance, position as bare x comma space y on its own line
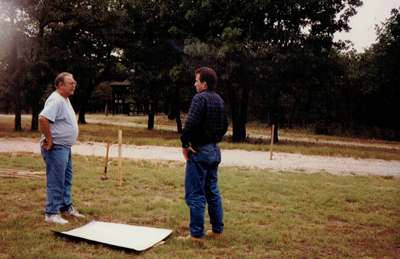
63, 124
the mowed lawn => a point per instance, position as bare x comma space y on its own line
267, 215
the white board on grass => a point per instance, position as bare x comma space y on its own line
120, 235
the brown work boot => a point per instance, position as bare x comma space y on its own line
190, 238
211, 233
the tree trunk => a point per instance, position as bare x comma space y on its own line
179, 124
246, 86
16, 85
86, 94
37, 92
17, 124
82, 111
238, 127
82, 107
150, 122
177, 108
35, 117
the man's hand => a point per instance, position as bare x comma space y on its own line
47, 144
185, 152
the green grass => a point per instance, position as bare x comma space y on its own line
267, 215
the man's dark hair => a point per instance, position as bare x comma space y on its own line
209, 76
60, 78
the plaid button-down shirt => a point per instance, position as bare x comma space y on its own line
207, 120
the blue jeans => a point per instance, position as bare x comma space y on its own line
58, 175
201, 186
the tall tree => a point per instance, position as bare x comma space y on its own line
241, 32
91, 42
154, 50
43, 15
30, 74
301, 36
14, 57
378, 70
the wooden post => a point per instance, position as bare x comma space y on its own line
108, 148
272, 142
119, 157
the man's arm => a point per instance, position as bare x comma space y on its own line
44, 126
193, 119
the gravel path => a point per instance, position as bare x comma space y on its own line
240, 158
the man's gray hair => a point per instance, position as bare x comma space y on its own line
60, 78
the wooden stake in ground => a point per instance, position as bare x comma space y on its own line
119, 157
272, 142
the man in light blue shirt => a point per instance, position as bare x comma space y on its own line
57, 121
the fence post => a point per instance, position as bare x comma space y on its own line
272, 142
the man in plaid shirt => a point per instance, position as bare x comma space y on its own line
205, 125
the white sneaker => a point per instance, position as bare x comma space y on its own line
55, 218
75, 213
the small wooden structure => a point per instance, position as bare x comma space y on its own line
120, 92
124, 100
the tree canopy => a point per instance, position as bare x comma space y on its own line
277, 61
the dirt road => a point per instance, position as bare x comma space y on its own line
239, 158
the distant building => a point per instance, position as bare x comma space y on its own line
126, 100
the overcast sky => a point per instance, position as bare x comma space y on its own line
363, 23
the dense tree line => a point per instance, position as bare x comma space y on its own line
276, 60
